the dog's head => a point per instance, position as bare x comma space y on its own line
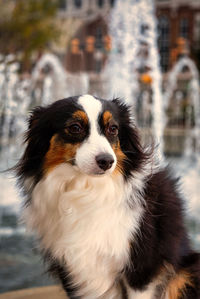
94, 136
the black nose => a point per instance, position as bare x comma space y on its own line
104, 161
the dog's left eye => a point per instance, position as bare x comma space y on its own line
75, 128
112, 130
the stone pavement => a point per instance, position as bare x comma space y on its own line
50, 292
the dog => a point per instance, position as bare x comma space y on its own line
108, 215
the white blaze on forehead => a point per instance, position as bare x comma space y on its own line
92, 107
96, 143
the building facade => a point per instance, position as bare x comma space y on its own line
88, 47
87, 50
179, 30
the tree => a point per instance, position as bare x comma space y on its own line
27, 26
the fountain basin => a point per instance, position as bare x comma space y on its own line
50, 292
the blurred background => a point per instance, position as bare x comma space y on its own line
146, 52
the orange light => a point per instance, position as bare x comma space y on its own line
75, 43
90, 41
181, 45
146, 78
174, 54
181, 41
107, 42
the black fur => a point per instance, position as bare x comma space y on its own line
61, 272
162, 236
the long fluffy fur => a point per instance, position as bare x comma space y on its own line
119, 235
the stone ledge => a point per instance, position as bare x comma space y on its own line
50, 292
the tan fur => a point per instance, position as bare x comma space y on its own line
107, 116
177, 285
81, 115
120, 157
167, 285
59, 153
172, 285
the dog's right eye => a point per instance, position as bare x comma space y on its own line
75, 128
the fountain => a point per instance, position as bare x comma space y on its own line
131, 38
57, 83
189, 166
15, 100
193, 93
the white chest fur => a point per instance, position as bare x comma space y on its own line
85, 221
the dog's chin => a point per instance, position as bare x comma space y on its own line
96, 172
100, 173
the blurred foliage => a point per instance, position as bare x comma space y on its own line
27, 26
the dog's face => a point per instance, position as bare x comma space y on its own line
94, 136
87, 138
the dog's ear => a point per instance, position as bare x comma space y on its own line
129, 138
37, 123
35, 115
37, 139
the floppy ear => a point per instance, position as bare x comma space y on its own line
130, 140
36, 141
35, 115
36, 125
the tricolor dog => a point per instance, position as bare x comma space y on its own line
108, 217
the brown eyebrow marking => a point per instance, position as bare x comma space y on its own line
107, 116
81, 115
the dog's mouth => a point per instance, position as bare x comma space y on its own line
71, 161
97, 172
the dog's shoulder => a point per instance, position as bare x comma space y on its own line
161, 254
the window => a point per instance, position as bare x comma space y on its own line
99, 32
163, 41
98, 66
143, 29
184, 28
112, 2
62, 4
164, 61
197, 30
100, 3
163, 27
78, 3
